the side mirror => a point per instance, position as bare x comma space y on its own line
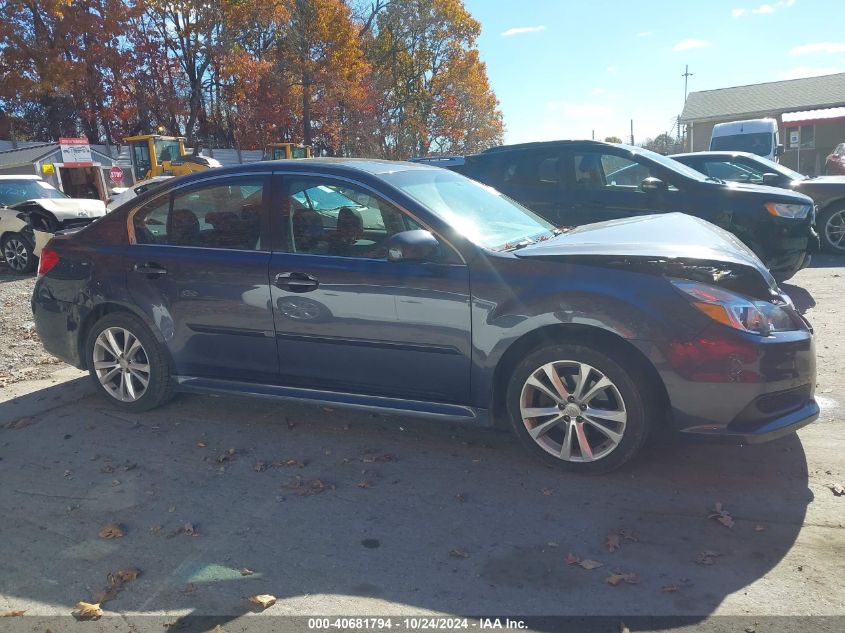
412, 246
779, 150
771, 179
652, 184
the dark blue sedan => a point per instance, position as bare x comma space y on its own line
409, 289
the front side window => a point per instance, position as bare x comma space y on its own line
141, 159
734, 172
609, 172
220, 215
326, 217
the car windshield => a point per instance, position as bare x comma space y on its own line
671, 163
15, 191
759, 143
776, 168
480, 213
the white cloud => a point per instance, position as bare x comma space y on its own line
689, 44
806, 71
519, 30
612, 69
763, 8
645, 33
819, 47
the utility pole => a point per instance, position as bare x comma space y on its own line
687, 74
632, 131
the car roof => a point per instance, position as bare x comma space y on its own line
558, 143
20, 177
715, 154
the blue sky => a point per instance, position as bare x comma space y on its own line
563, 68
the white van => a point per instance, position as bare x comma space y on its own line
758, 136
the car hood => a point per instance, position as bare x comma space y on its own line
775, 193
66, 208
671, 244
820, 182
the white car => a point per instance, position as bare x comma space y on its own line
31, 210
135, 190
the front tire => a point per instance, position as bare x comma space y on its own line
18, 253
127, 363
578, 409
831, 228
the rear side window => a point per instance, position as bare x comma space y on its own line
538, 170
224, 214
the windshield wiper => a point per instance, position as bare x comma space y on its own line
712, 179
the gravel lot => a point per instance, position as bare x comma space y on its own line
22, 356
348, 513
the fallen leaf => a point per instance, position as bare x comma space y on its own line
590, 564
618, 577
264, 600
548, 492
226, 456
379, 459
837, 489
246, 572
116, 581
308, 488
111, 530
759, 528
623, 628
188, 530
721, 515
87, 611
202, 445
707, 557
553, 544
155, 530
20, 423
218, 629
612, 542
260, 467
669, 588
456, 553
628, 536
572, 559
299, 463
363, 484
460, 497
13, 614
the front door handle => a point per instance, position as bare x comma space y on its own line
150, 269
296, 282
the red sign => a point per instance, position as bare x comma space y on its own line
116, 174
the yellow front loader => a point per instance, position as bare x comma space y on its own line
281, 151
156, 155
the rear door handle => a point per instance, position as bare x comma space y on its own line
296, 282
150, 268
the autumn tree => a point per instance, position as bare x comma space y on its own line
427, 67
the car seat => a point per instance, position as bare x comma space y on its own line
184, 228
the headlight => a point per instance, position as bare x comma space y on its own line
736, 311
797, 211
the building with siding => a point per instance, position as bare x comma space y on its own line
810, 113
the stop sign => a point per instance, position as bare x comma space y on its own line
116, 174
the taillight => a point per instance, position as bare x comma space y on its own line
47, 260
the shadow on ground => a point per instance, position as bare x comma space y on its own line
415, 516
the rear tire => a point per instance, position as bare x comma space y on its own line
578, 409
18, 253
831, 228
128, 365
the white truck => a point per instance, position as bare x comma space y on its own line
757, 136
31, 211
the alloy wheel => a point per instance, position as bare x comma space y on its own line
834, 230
121, 364
573, 411
15, 253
